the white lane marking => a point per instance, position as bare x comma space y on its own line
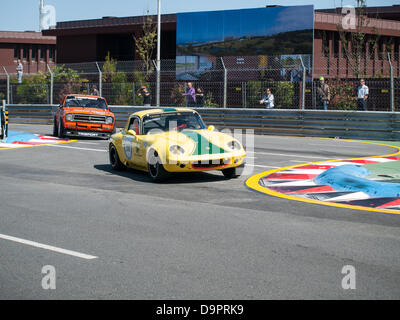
80, 142
296, 161
260, 166
286, 155
47, 247
78, 148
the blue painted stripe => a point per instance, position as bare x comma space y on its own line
20, 136
350, 177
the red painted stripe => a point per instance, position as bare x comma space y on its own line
290, 176
315, 190
362, 161
390, 204
29, 143
392, 158
315, 167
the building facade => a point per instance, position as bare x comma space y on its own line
91, 40
33, 49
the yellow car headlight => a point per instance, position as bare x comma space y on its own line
175, 149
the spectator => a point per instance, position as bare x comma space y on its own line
268, 100
323, 94
190, 94
20, 70
95, 92
143, 92
362, 96
199, 98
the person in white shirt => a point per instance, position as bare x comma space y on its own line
268, 100
362, 96
20, 70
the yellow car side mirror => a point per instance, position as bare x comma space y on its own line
211, 128
131, 133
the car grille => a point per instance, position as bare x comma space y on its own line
89, 118
209, 164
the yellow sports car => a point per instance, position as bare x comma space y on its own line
162, 141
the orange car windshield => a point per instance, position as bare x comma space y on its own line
77, 102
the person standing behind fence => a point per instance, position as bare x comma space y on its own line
143, 92
268, 100
199, 98
95, 92
362, 96
190, 94
323, 94
20, 70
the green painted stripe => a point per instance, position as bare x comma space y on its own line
203, 145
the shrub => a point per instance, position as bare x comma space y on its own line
33, 89
342, 96
121, 89
283, 92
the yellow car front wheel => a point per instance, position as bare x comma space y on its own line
156, 170
115, 162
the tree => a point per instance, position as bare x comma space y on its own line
354, 42
145, 45
67, 81
109, 68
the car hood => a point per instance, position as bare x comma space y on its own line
197, 142
88, 111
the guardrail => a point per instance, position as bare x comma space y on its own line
313, 123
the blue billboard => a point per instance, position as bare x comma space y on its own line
247, 32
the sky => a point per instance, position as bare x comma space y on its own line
23, 15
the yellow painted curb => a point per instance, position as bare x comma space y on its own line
253, 182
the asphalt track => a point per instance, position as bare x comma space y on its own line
196, 236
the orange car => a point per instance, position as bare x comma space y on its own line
85, 116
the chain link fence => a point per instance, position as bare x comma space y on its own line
235, 82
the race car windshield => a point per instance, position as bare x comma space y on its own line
172, 122
96, 103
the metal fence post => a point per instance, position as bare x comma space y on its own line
133, 93
51, 84
225, 83
392, 107
100, 80
8, 85
303, 87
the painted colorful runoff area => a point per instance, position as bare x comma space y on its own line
371, 183
18, 139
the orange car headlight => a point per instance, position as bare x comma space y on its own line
109, 120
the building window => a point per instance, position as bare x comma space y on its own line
17, 52
42, 53
371, 50
51, 54
325, 44
335, 44
25, 51
34, 53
